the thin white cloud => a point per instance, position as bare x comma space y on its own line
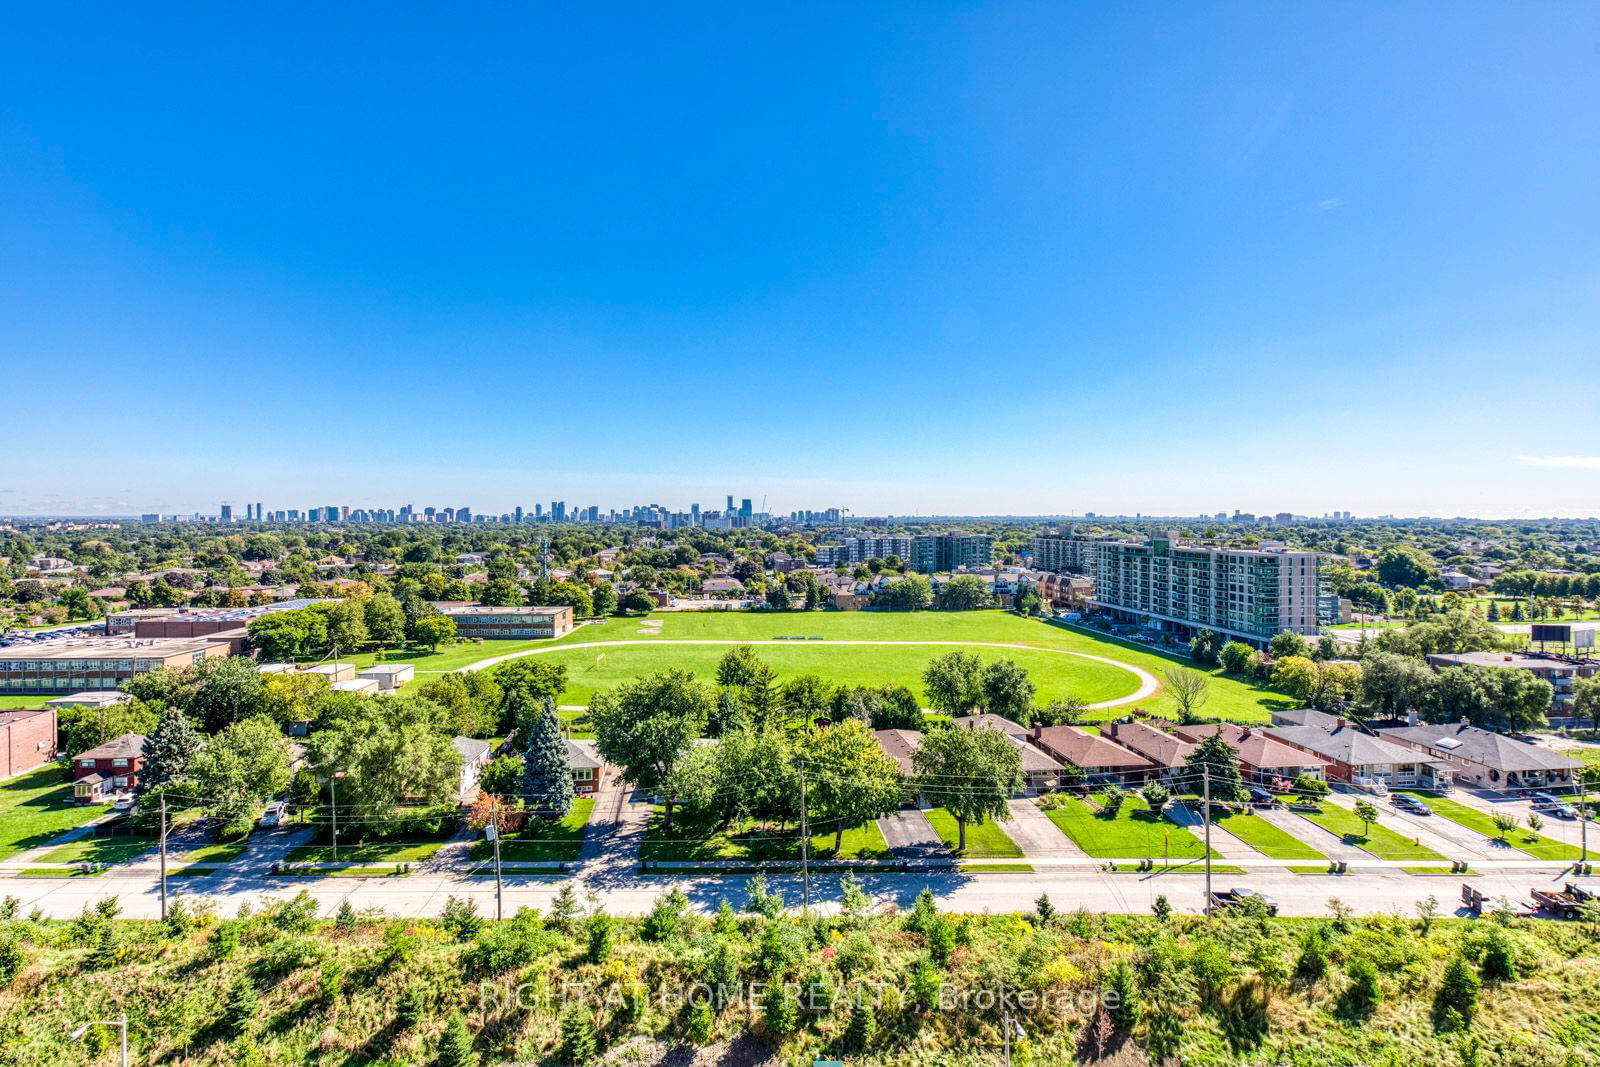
1582, 462
1330, 203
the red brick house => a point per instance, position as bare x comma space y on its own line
27, 740
111, 768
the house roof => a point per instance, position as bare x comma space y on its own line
1346, 744
581, 754
1256, 749
472, 750
1085, 750
901, 745
991, 722
128, 746
1464, 742
1035, 760
1159, 746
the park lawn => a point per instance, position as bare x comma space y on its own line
1267, 838
1522, 839
542, 840
15, 702
691, 839
592, 669
1379, 840
1136, 832
985, 840
398, 851
38, 806
101, 850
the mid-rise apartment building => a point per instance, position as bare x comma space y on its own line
1059, 554
950, 551
1249, 593
491, 623
860, 549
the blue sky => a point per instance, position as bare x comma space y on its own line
1018, 258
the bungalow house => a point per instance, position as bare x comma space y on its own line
1351, 753
107, 769
475, 756
585, 767
900, 745
1166, 751
1097, 758
991, 722
1263, 759
1040, 770
1485, 758
722, 587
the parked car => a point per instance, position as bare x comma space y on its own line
1410, 805
124, 805
1554, 805
1223, 898
1260, 797
277, 814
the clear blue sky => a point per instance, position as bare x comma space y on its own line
922, 257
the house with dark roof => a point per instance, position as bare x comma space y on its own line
1354, 755
1263, 759
106, 770
1485, 758
1097, 758
1165, 750
585, 763
987, 721
900, 745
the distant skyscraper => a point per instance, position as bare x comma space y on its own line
227, 513
730, 504
516, 516
744, 507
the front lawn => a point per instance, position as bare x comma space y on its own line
984, 841
101, 850
1135, 833
219, 853
1536, 845
1378, 839
542, 840
1267, 838
38, 806
692, 839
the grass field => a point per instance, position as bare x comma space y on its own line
591, 669
100, 850
1523, 839
986, 841
35, 807
1378, 839
542, 840
1266, 838
1136, 832
219, 853
694, 840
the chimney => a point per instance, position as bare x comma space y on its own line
1411, 716
1037, 730
1339, 723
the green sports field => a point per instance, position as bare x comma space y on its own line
857, 648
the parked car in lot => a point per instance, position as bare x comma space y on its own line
1410, 805
1551, 804
124, 805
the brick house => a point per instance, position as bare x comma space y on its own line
27, 740
111, 768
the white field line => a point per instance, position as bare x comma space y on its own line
1148, 684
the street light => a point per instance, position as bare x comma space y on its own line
120, 1022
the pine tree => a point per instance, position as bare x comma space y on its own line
239, 1011
863, 1026
546, 769
1457, 999
455, 1045
1221, 759
577, 1036
169, 750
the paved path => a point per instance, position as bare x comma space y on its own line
1035, 834
1149, 685
911, 836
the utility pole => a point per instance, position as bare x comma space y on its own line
163, 853
333, 805
805, 842
494, 835
1205, 817
1005, 1026
1583, 817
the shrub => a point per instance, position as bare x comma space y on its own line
702, 1023
1364, 990
455, 1046
863, 1026
409, 1006
600, 938
1313, 961
1112, 803
13, 957
578, 1042
759, 900
286, 955
1121, 997
460, 918
507, 946
241, 1007
1457, 999
779, 1012
665, 917
1499, 958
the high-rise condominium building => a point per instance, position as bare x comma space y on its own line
1249, 593
951, 550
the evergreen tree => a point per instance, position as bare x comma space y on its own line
546, 770
455, 1046
1222, 761
1457, 999
577, 1036
239, 1011
779, 1011
863, 1026
169, 750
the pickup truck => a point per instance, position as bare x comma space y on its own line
1224, 898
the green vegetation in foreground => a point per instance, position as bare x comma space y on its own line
592, 669
1266, 838
986, 840
692, 839
36, 807
1136, 832
368, 852
1379, 840
328, 995
1523, 839
542, 840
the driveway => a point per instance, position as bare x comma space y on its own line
911, 836
1035, 834
1228, 846
1432, 831
615, 834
